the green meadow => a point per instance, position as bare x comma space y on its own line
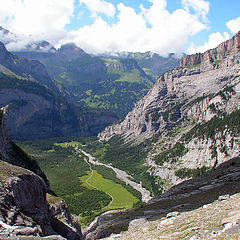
67, 173
121, 197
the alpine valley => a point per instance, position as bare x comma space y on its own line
169, 169
110, 82
114, 81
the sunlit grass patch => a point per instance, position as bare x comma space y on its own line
121, 197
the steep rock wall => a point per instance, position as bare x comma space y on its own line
177, 89
194, 99
24, 209
216, 55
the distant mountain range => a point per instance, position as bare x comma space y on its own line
70, 92
36, 108
106, 82
112, 82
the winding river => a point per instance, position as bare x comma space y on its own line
122, 175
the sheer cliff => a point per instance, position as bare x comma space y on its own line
190, 118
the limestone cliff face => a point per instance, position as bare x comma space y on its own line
188, 114
171, 98
178, 90
33, 116
216, 55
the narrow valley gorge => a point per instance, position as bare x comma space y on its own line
98, 147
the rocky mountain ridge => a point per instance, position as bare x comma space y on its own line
153, 63
101, 81
24, 43
31, 70
187, 115
225, 51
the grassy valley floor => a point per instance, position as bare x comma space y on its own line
121, 198
85, 190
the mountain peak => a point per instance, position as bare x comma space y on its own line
214, 55
71, 51
41, 46
70, 47
5, 31
3, 51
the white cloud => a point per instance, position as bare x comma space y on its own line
7, 37
153, 29
99, 6
214, 40
41, 19
200, 6
234, 25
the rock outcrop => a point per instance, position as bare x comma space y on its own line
216, 55
24, 209
11, 153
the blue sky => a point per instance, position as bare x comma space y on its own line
100, 26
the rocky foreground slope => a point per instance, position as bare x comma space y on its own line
190, 118
206, 207
24, 208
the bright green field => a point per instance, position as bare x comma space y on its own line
69, 144
121, 197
